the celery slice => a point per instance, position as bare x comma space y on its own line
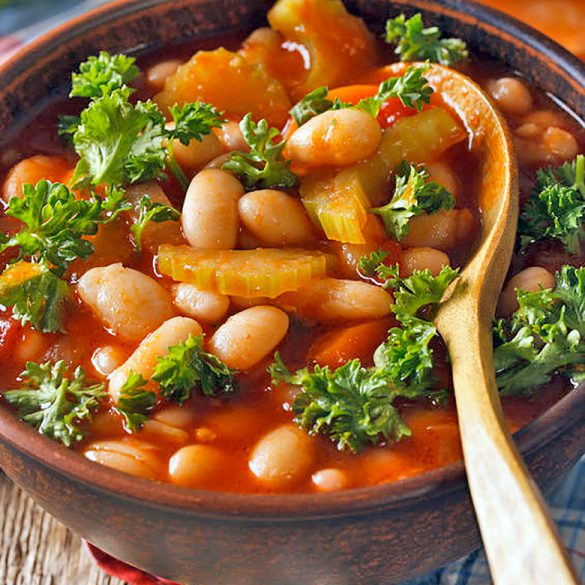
246, 273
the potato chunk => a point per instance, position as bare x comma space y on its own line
338, 43
230, 83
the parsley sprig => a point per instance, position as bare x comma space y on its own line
56, 221
414, 195
546, 334
120, 142
55, 404
354, 405
264, 166
149, 210
55, 226
186, 367
414, 42
556, 208
102, 74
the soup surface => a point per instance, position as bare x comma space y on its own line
241, 246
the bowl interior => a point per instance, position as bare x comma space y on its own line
40, 73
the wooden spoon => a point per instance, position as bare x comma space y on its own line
521, 542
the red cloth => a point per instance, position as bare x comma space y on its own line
123, 571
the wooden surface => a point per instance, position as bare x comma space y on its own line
36, 550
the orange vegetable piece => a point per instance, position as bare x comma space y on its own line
230, 83
264, 272
337, 347
337, 42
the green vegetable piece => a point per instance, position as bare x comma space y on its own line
416, 43
556, 208
352, 405
264, 166
187, 367
54, 404
103, 74
35, 295
313, 104
55, 222
414, 195
151, 211
545, 335
135, 403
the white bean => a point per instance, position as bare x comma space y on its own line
282, 457
420, 258
157, 74
511, 95
231, 137
107, 358
203, 305
249, 336
331, 300
444, 230
126, 301
530, 279
154, 233
196, 465
210, 211
159, 431
195, 155
275, 218
179, 417
336, 137
330, 480
135, 458
155, 345
443, 174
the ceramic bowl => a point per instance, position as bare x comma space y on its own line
378, 535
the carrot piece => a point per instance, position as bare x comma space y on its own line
336, 347
352, 94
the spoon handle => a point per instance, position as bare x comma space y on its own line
521, 541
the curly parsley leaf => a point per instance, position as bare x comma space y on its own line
67, 127
352, 405
545, 335
135, 402
54, 404
414, 42
556, 208
313, 104
188, 366
102, 74
414, 195
412, 89
35, 295
55, 221
193, 121
150, 210
264, 166
119, 143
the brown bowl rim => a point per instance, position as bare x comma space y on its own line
264, 507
